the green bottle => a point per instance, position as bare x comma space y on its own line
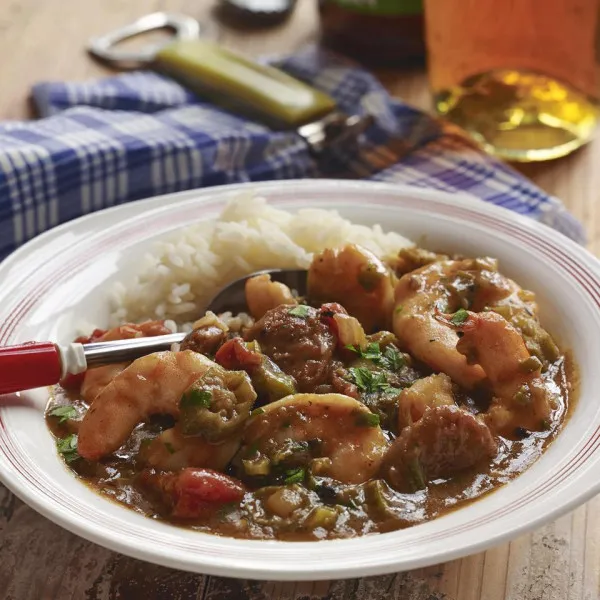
375, 32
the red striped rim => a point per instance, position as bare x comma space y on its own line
142, 228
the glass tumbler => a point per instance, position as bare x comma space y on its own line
522, 77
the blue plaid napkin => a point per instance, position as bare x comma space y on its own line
136, 135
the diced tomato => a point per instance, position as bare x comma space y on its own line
235, 355
90, 339
194, 493
200, 490
72, 382
326, 314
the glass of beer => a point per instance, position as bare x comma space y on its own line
522, 77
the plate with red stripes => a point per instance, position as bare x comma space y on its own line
60, 279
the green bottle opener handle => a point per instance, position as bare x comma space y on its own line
241, 85
226, 78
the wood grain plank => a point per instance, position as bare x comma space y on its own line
495, 570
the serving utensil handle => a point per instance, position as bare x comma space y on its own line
241, 85
30, 365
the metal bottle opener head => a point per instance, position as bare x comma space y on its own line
104, 47
259, 91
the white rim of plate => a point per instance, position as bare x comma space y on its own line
326, 559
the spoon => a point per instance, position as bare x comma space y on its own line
38, 364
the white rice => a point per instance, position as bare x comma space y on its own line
180, 277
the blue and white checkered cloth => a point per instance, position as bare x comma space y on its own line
136, 135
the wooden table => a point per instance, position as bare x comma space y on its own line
44, 39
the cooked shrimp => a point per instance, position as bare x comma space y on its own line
446, 286
489, 340
262, 295
358, 279
339, 431
153, 384
435, 390
520, 397
171, 450
418, 295
97, 379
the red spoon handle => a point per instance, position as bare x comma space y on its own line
28, 366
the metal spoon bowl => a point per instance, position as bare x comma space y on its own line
231, 298
37, 364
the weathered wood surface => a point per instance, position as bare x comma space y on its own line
44, 39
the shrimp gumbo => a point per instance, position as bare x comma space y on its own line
394, 391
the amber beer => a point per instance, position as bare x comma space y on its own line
521, 76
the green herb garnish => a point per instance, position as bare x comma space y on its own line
257, 411
367, 419
299, 311
67, 447
362, 378
370, 382
196, 398
63, 413
389, 359
459, 317
169, 448
392, 359
294, 476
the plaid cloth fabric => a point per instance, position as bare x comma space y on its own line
119, 139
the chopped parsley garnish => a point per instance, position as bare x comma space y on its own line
294, 476
63, 413
365, 419
67, 447
370, 381
362, 378
196, 398
392, 359
459, 317
398, 309
257, 411
389, 359
299, 311
372, 351
169, 448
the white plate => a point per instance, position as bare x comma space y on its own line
59, 279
